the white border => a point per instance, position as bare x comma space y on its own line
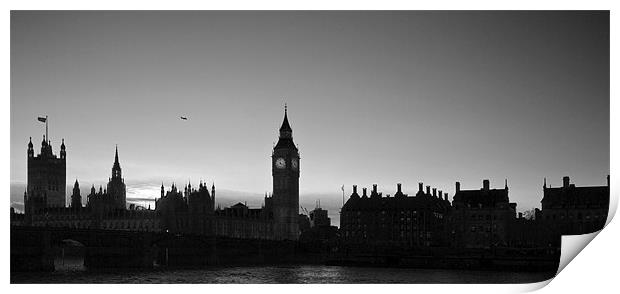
594, 268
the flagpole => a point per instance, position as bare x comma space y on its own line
46, 136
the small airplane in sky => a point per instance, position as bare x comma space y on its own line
183, 118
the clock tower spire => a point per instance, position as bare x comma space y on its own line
285, 173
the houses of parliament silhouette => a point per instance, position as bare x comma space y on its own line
190, 211
478, 218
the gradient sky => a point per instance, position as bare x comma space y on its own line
374, 97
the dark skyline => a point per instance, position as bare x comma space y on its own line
374, 97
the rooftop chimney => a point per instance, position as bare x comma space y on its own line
565, 182
434, 192
439, 193
458, 187
398, 187
485, 185
428, 190
354, 189
374, 188
363, 192
420, 188
446, 195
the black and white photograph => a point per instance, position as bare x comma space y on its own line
305, 146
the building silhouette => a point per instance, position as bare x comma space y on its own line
316, 232
242, 222
114, 196
572, 210
190, 211
477, 219
482, 218
400, 220
46, 177
318, 218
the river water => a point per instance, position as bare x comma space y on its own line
73, 272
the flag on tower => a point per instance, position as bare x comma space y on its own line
342, 188
42, 119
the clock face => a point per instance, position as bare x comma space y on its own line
295, 164
280, 163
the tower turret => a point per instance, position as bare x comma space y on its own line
76, 198
63, 151
44, 147
212, 193
46, 176
30, 149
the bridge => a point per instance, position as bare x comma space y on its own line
33, 248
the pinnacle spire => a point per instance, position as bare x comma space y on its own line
116, 168
116, 155
286, 127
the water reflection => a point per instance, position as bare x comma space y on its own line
75, 273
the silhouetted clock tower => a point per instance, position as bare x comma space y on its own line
285, 172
